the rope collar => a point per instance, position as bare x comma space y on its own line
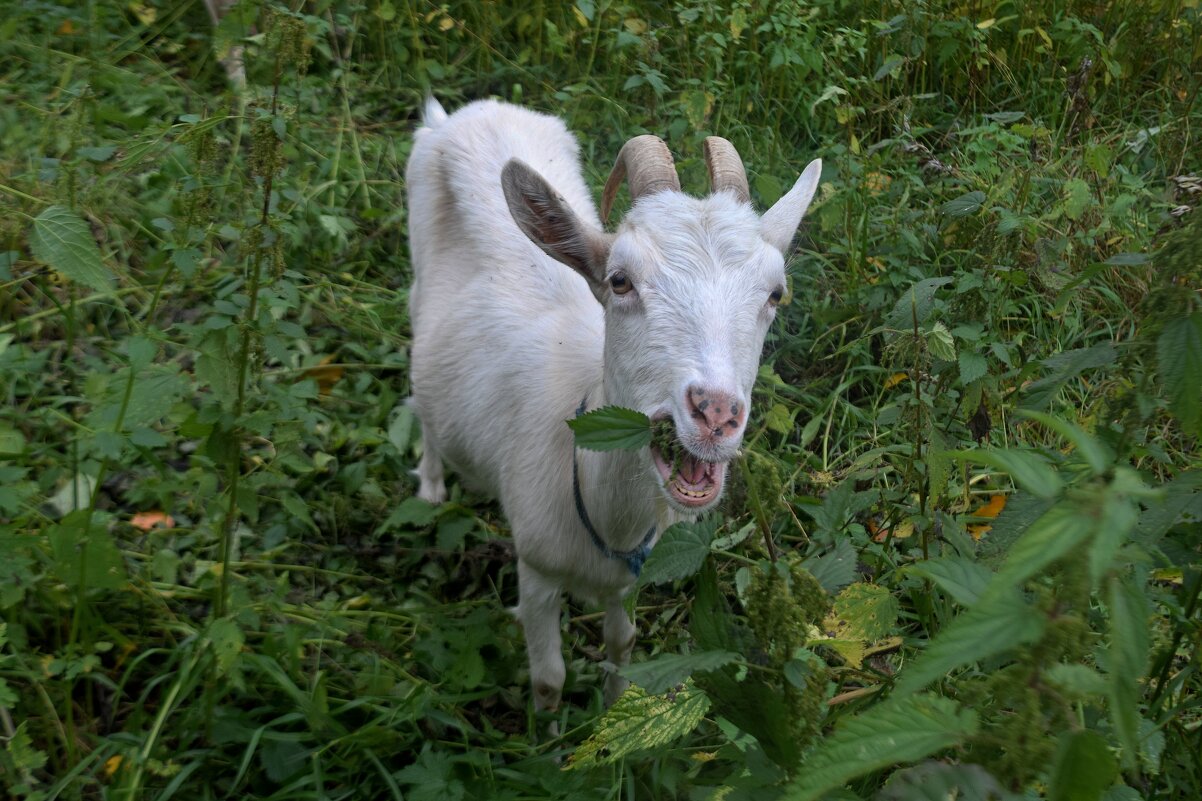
633, 558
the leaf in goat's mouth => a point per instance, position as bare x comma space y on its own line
611, 428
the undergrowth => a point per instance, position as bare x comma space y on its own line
960, 553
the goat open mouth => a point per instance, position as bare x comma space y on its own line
688, 481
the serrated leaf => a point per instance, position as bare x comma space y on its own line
995, 624
1084, 767
226, 639
835, 568
62, 239
972, 367
611, 428
963, 579
85, 554
1128, 657
1179, 356
1076, 198
1078, 681
1061, 368
1060, 531
891, 62
897, 731
1029, 470
939, 781
966, 204
1093, 452
639, 721
915, 304
864, 611
665, 671
680, 552
940, 343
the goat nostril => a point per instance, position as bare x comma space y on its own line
733, 424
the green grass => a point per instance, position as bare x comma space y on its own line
202, 316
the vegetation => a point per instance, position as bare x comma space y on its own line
961, 553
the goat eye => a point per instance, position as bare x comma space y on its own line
620, 284
775, 297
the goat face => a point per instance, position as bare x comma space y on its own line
689, 286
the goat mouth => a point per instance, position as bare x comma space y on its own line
689, 482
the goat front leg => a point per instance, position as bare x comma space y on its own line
540, 600
433, 487
619, 642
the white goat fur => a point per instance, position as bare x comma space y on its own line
507, 341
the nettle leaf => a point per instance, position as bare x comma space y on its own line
84, 553
639, 721
940, 343
966, 204
665, 671
62, 239
996, 624
897, 731
1076, 198
1057, 533
915, 304
1128, 657
680, 552
1061, 368
835, 568
1029, 470
972, 366
939, 781
611, 428
962, 579
226, 640
1095, 454
1084, 767
864, 612
1179, 355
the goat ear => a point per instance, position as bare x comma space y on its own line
550, 223
779, 223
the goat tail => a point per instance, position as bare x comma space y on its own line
433, 114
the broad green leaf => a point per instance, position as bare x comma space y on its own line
897, 731
835, 568
1076, 198
915, 303
972, 366
939, 781
1030, 471
1182, 501
963, 579
1078, 681
85, 554
640, 721
865, 612
1063, 529
1022, 509
1128, 657
665, 671
1084, 767
680, 552
891, 62
1120, 513
966, 204
1127, 259
62, 239
940, 343
611, 428
226, 639
1098, 158
1061, 368
996, 624
1179, 356
1095, 454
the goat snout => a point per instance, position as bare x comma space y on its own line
717, 414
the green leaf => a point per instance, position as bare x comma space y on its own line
62, 239
1098, 158
972, 366
665, 671
1078, 681
1128, 657
1057, 533
680, 552
1061, 368
640, 721
1179, 356
1029, 471
226, 640
996, 624
869, 610
939, 781
835, 568
916, 303
611, 428
897, 731
892, 62
940, 343
1095, 454
86, 553
962, 579
1084, 767
1077, 198
966, 204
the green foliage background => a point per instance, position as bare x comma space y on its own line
994, 303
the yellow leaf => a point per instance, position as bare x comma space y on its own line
326, 374
445, 24
986, 23
895, 379
992, 509
581, 20
67, 27
635, 25
877, 182
145, 14
111, 764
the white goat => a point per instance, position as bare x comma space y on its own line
666, 316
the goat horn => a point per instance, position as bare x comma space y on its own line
726, 168
649, 164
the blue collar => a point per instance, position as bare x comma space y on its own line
633, 558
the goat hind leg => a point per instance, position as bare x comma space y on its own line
433, 487
619, 642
